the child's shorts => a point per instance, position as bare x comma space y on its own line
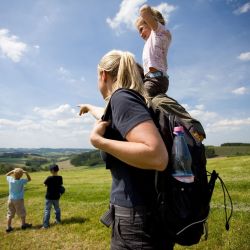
157, 84
16, 206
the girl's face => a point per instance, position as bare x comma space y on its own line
144, 30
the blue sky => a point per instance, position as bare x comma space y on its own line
49, 51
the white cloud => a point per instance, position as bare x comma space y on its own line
58, 127
62, 111
67, 76
129, 11
203, 115
11, 46
240, 91
165, 10
243, 9
200, 107
127, 14
228, 124
244, 56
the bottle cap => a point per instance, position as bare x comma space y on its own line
178, 129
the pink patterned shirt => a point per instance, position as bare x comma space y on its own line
155, 50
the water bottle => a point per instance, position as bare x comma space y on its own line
181, 157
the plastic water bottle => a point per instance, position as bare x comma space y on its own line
181, 158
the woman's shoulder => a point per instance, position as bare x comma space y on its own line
126, 94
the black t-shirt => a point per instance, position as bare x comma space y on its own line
131, 186
53, 184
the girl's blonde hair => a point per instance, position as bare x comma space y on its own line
18, 173
158, 16
123, 69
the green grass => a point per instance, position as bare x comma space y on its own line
87, 197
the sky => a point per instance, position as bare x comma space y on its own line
49, 51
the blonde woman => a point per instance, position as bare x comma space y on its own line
134, 150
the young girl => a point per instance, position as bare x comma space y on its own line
151, 26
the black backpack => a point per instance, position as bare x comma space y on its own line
182, 209
61, 190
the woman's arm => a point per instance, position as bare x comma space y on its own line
97, 112
143, 149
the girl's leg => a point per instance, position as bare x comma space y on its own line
9, 228
10, 215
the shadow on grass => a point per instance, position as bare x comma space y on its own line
72, 220
4, 195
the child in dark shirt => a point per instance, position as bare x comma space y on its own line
53, 184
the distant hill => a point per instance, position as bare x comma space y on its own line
43, 151
35, 159
235, 144
91, 158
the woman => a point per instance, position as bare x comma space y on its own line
134, 150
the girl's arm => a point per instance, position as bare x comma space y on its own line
147, 15
10, 173
27, 174
143, 149
97, 112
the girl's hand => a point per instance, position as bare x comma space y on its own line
97, 133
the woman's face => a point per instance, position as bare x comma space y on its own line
102, 85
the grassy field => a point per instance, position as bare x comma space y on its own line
87, 196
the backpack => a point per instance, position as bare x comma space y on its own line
61, 189
182, 209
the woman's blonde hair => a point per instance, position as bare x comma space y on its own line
123, 69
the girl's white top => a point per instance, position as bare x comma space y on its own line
155, 50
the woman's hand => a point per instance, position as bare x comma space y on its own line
97, 133
97, 112
84, 108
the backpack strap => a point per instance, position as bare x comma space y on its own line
107, 111
213, 176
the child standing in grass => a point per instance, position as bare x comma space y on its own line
54, 184
16, 197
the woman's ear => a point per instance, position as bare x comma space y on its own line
104, 75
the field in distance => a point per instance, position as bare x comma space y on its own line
87, 197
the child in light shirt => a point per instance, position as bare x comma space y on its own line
151, 27
16, 197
